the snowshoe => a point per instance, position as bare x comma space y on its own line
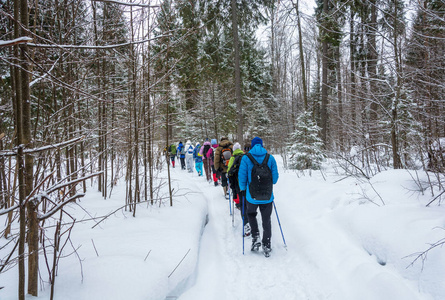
246, 230
255, 243
266, 250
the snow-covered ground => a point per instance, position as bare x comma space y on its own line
340, 245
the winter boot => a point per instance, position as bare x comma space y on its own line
246, 230
173, 163
255, 243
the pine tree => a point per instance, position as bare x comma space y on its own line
305, 145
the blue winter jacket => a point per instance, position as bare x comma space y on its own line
196, 155
180, 151
245, 171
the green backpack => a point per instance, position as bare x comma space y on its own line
172, 149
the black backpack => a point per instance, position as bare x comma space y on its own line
233, 172
204, 152
260, 187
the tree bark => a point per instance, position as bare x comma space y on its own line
239, 100
324, 81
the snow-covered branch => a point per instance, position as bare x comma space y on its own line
5, 211
95, 47
59, 207
44, 148
127, 4
59, 186
20, 40
44, 75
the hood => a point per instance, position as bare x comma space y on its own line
207, 143
258, 151
238, 152
225, 143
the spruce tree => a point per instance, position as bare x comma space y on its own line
305, 145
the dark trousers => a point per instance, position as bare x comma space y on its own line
182, 162
224, 179
266, 212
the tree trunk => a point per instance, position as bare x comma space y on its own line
33, 230
300, 46
324, 82
394, 120
19, 140
239, 101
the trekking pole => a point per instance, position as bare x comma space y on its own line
228, 187
242, 199
284, 241
233, 214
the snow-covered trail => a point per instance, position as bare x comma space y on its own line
321, 261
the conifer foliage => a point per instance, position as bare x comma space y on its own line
305, 145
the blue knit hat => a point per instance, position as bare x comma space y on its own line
257, 140
214, 142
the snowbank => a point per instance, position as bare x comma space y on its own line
346, 240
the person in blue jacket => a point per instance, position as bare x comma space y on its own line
258, 152
181, 154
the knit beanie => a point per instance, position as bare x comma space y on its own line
257, 140
236, 146
214, 142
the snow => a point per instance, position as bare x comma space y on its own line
340, 244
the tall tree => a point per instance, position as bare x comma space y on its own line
239, 101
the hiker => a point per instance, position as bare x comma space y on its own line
172, 153
247, 147
238, 197
256, 176
189, 156
206, 160
181, 154
222, 157
166, 154
197, 156
211, 156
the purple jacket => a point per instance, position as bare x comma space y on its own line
211, 151
204, 155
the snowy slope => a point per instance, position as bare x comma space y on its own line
339, 245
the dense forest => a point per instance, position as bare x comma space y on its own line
93, 91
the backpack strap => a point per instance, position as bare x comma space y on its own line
253, 160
